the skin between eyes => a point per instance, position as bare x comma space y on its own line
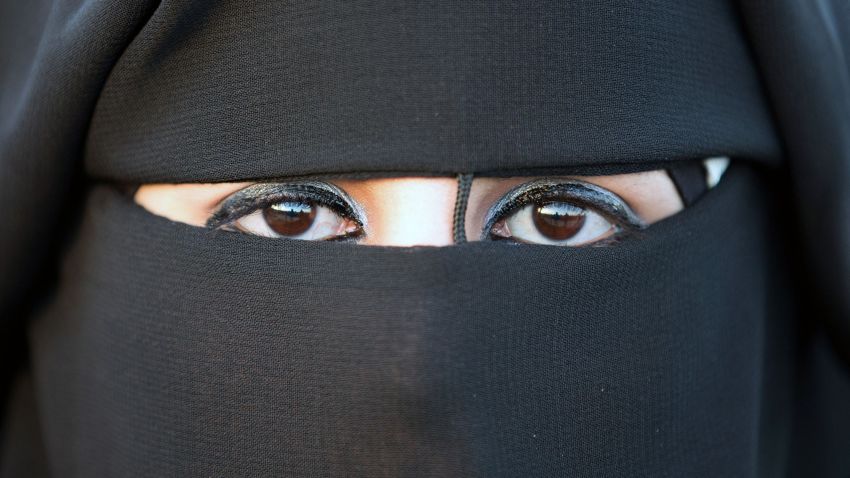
416, 210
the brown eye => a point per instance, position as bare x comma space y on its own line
554, 223
558, 221
306, 211
290, 218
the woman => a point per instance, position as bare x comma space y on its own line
216, 252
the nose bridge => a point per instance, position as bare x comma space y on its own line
412, 212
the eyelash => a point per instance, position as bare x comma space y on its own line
578, 193
260, 196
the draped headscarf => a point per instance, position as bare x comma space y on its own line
710, 346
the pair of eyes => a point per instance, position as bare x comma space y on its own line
566, 213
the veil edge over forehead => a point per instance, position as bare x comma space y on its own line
218, 91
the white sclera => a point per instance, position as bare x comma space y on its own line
522, 228
326, 225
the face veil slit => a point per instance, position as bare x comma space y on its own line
426, 211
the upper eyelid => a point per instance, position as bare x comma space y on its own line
582, 192
259, 195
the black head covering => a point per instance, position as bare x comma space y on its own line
707, 347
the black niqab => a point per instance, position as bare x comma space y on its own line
709, 346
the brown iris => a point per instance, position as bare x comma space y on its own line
290, 218
558, 221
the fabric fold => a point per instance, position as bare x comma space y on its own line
218, 91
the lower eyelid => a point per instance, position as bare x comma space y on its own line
475, 230
260, 195
255, 216
328, 225
553, 190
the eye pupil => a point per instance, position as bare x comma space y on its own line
290, 218
558, 221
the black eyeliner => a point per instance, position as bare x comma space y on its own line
576, 192
258, 196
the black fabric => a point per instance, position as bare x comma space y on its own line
690, 181
323, 359
804, 48
54, 58
23, 451
464, 185
426, 86
708, 345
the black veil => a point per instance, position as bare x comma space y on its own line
137, 346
